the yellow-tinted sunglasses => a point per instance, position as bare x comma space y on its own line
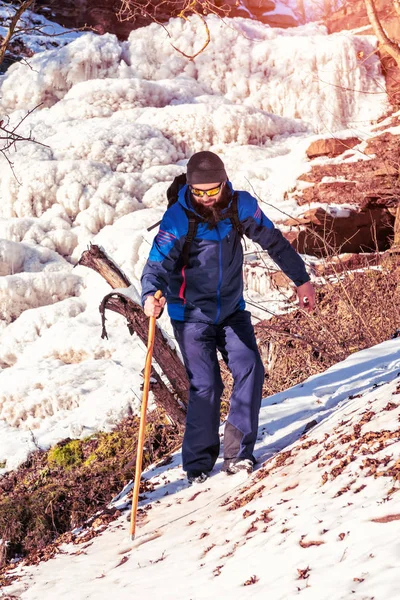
200, 193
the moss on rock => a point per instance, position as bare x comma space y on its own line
58, 490
66, 454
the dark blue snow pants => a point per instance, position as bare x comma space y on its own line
199, 343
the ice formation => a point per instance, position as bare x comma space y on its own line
116, 122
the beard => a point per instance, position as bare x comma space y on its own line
213, 214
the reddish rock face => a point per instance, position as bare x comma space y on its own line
276, 20
346, 262
322, 234
101, 15
256, 5
372, 189
367, 183
260, 10
331, 146
354, 14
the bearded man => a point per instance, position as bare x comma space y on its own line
203, 288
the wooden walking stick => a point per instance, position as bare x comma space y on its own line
143, 412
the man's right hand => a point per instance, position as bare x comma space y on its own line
153, 307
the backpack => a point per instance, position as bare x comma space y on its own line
172, 197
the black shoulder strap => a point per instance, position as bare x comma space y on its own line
172, 194
193, 220
234, 215
173, 190
191, 234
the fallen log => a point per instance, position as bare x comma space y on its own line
95, 258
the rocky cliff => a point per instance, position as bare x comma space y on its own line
364, 182
101, 15
353, 15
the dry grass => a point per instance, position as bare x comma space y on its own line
57, 490
359, 310
60, 489
355, 310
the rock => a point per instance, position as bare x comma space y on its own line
334, 192
346, 262
391, 72
277, 20
319, 233
386, 146
370, 184
260, 5
309, 426
353, 15
265, 11
331, 146
101, 15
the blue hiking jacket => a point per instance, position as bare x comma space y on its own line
210, 287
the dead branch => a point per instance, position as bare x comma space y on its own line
391, 47
10, 138
131, 10
95, 258
204, 46
25, 5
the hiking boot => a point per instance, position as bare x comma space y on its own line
234, 465
197, 476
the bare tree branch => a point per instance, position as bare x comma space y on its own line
391, 47
17, 27
10, 138
25, 5
131, 10
208, 38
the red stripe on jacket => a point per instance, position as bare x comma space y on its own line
183, 286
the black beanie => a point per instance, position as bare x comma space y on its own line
205, 167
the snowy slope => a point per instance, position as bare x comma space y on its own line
35, 31
118, 121
318, 519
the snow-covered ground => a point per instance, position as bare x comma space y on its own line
35, 31
116, 121
318, 519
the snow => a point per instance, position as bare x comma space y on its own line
36, 32
116, 122
309, 522
313, 9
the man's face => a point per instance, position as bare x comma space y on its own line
211, 198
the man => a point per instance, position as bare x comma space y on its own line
204, 295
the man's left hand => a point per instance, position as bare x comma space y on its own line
306, 294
